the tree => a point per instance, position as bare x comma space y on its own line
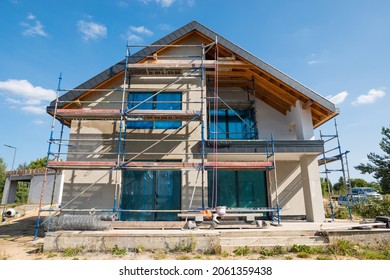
324, 186
339, 186
380, 164
361, 183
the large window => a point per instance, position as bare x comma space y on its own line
237, 124
150, 190
238, 189
162, 101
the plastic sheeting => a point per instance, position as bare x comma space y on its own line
162, 101
150, 190
239, 189
230, 126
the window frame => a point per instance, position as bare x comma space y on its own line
158, 102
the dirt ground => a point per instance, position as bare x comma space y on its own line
16, 243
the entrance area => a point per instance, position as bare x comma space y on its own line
237, 189
150, 190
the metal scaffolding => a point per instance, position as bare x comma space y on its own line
173, 68
335, 155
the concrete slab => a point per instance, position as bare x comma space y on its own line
290, 233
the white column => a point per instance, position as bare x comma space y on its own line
6, 189
312, 189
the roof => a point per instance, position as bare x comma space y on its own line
267, 77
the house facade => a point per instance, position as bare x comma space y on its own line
188, 123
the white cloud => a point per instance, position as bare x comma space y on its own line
37, 110
91, 30
141, 30
372, 96
165, 3
27, 97
33, 27
338, 98
311, 62
24, 88
134, 39
137, 38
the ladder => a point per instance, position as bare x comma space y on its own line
335, 154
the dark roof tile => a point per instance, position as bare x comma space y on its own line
221, 40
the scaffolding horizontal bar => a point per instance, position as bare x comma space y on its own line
115, 114
179, 64
239, 165
112, 164
162, 114
234, 104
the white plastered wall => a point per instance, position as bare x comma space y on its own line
101, 195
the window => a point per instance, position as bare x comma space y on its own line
150, 190
238, 189
162, 101
237, 124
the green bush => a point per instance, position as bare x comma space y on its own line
373, 208
343, 248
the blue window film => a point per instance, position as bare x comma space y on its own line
162, 101
150, 190
236, 189
230, 126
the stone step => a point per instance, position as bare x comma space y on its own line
267, 233
271, 241
230, 248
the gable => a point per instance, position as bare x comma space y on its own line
237, 68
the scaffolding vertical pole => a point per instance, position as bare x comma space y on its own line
38, 222
215, 143
117, 187
349, 186
276, 180
203, 149
346, 180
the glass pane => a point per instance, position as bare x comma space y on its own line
168, 195
162, 101
137, 98
236, 124
138, 194
151, 190
167, 124
244, 189
252, 190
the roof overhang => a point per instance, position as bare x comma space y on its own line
245, 70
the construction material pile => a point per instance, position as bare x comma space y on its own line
77, 222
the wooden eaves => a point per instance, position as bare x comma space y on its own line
237, 67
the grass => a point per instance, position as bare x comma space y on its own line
116, 251
241, 251
72, 251
160, 255
50, 255
184, 246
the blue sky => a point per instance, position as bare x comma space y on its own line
340, 49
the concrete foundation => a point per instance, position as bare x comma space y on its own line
299, 233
